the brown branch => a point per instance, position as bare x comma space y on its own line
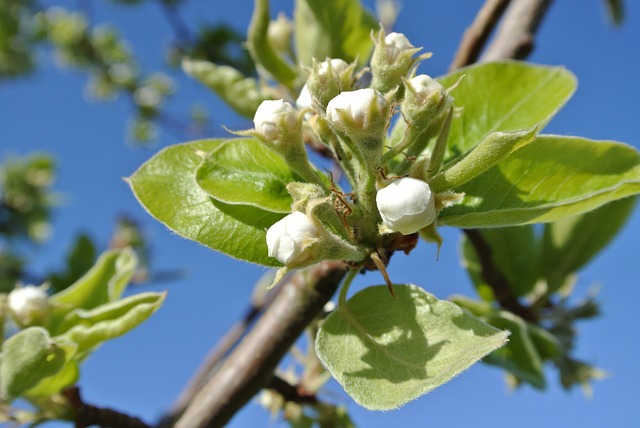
250, 366
477, 34
290, 392
516, 33
87, 415
496, 280
260, 301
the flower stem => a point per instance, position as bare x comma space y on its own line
342, 298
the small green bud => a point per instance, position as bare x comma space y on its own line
326, 80
279, 33
424, 100
392, 60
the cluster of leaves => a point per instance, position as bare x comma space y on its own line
386, 352
40, 361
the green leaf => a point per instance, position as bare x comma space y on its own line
520, 357
570, 243
386, 352
66, 377
504, 96
494, 148
333, 29
105, 282
551, 178
80, 259
515, 252
166, 186
89, 328
239, 92
28, 357
261, 50
246, 171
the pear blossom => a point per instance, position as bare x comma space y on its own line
288, 238
406, 205
356, 110
274, 115
396, 44
28, 304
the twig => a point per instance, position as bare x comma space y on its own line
496, 280
251, 364
180, 28
477, 34
87, 415
217, 354
516, 33
290, 392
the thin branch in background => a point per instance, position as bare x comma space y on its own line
251, 365
219, 352
87, 415
477, 34
516, 34
496, 280
180, 28
290, 392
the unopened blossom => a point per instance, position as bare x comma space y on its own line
358, 112
406, 205
274, 117
28, 304
396, 44
289, 238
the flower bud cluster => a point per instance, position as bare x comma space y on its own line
353, 124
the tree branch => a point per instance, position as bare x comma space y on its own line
87, 415
250, 366
516, 33
496, 280
477, 34
259, 302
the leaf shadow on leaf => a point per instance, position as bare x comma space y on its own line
394, 337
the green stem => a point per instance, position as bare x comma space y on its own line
342, 298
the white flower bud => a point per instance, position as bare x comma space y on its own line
337, 64
28, 304
304, 99
396, 44
288, 238
406, 205
275, 117
354, 111
423, 86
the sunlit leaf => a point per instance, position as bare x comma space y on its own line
89, 328
386, 352
166, 186
333, 29
246, 171
551, 178
504, 96
104, 282
28, 357
570, 243
239, 92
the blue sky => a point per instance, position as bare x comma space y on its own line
144, 371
